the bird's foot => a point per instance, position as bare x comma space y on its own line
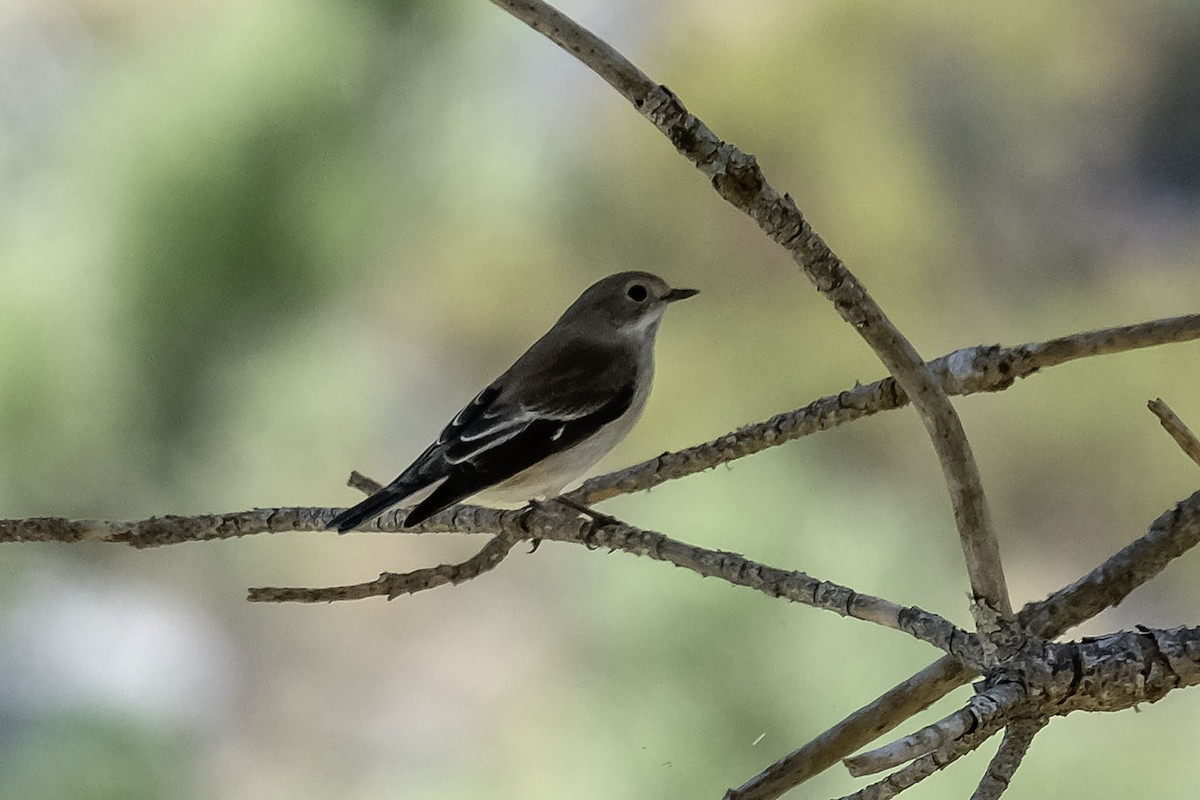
535, 542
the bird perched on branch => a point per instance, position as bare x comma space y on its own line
566, 402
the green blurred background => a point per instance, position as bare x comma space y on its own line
248, 247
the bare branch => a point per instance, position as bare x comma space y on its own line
868, 723
1109, 673
390, 584
1180, 432
1017, 738
1114, 340
930, 738
925, 766
983, 368
159, 531
1169, 536
789, 585
367, 486
547, 522
966, 371
737, 177
981, 711
542, 522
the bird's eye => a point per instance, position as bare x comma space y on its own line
637, 292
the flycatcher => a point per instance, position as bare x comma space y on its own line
553, 414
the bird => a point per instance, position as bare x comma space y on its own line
573, 395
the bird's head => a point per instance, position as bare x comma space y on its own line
630, 303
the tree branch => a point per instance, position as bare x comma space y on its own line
1017, 738
367, 486
737, 177
540, 522
1104, 674
868, 723
390, 584
795, 586
1170, 536
1180, 432
971, 370
547, 522
923, 767
981, 711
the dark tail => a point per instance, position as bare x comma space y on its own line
374, 505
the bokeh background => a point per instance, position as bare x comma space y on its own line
246, 247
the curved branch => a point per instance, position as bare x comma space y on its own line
390, 584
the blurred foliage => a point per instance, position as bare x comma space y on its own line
88, 758
246, 247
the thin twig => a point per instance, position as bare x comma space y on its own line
1114, 340
391, 584
1174, 533
930, 738
367, 486
981, 711
866, 724
923, 767
1017, 737
1179, 431
737, 177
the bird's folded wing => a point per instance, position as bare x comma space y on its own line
564, 397
546, 403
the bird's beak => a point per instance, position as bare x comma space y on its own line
680, 294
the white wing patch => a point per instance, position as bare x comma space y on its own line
522, 420
488, 445
461, 416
